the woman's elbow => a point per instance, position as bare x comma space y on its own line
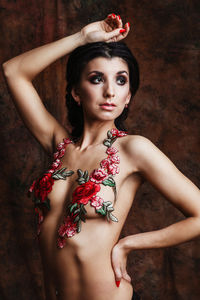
10, 69
7, 69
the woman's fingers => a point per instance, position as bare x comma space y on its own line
127, 27
114, 21
126, 30
118, 274
118, 34
113, 35
119, 259
126, 276
109, 30
116, 264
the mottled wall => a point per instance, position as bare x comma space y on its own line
165, 39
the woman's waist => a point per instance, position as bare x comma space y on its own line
94, 277
98, 285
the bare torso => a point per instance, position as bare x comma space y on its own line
82, 269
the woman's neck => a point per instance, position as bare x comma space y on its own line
94, 134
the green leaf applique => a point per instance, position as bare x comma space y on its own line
109, 181
106, 210
83, 177
62, 174
80, 212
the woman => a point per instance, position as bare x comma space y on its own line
83, 199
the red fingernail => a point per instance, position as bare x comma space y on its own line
128, 24
122, 30
114, 15
119, 17
117, 283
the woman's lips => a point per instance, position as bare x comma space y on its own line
108, 106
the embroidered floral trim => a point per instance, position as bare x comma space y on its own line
43, 185
89, 186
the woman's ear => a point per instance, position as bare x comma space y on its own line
75, 95
128, 98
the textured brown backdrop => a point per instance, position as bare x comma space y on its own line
164, 38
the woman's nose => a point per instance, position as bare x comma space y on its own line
109, 91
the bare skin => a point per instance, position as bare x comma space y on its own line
91, 261
86, 259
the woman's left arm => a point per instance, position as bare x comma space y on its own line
159, 170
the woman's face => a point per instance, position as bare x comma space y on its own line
104, 88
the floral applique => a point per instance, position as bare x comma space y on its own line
89, 186
43, 185
86, 192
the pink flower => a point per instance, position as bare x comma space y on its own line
55, 164
115, 159
56, 154
99, 175
113, 169
96, 202
67, 228
105, 163
111, 151
60, 146
61, 242
61, 153
67, 141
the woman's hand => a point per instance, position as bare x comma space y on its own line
119, 259
107, 30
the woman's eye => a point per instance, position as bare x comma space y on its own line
95, 79
122, 80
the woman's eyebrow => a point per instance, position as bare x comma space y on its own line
100, 73
97, 72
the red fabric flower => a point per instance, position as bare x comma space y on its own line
61, 153
99, 175
84, 192
61, 242
67, 141
117, 133
114, 159
68, 227
43, 186
105, 163
111, 151
56, 155
60, 146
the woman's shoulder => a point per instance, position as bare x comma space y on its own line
135, 142
137, 146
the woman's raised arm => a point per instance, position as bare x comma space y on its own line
21, 70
